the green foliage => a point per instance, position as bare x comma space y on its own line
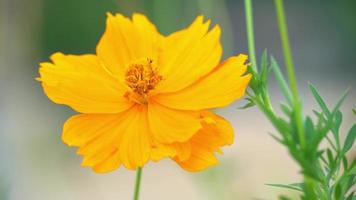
249, 103
294, 186
326, 170
327, 174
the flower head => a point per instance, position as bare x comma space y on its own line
144, 96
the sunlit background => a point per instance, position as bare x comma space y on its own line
36, 165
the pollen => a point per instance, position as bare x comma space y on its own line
141, 77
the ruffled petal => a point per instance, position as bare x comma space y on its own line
218, 89
109, 164
183, 150
200, 159
169, 125
188, 55
108, 140
82, 83
160, 151
98, 137
125, 41
215, 133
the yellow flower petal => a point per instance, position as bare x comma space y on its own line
82, 83
125, 41
183, 150
220, 88
111, 163
160, 151
188, 55
206, 142
199, 160
220, 129
135, 146
107, 140
97, 135
169, 125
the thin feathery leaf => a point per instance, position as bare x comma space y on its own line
281, 81
290, 186
341, 100
350, 139
319, 99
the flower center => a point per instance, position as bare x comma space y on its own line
141, 77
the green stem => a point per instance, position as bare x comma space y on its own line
309, 183
250, 37
290, 69
137, 183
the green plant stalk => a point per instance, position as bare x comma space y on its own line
137, 183
281, 81
293, 85
290, 70
250, 32
262, 99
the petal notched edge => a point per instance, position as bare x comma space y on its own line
219, 88
107, 141
82, 83
125, 41
189, 54
215, 133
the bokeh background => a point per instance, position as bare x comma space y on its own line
36, 165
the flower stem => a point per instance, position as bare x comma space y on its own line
290, 69
309, 184
137, 183
250, 34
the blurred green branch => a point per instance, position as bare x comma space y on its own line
327, 172
250, 37
290, 68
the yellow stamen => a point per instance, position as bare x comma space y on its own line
141, 77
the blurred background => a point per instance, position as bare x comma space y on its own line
36, 165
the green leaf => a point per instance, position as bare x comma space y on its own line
283, 198
249, 104
354, 111
281, 81
320, 116
309, 171
352, 170
320, 134
337, 192
348, 182
264, 67
350, 196
287, 111
350, 139
353, 165
336, 126
277, 139
321, 119
338, 120
345, 162
290, 186
299, 185
331, 159
321, 157
319, 99
309, 128
341, 100
254, 83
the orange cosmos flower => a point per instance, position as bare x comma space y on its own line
144, 96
